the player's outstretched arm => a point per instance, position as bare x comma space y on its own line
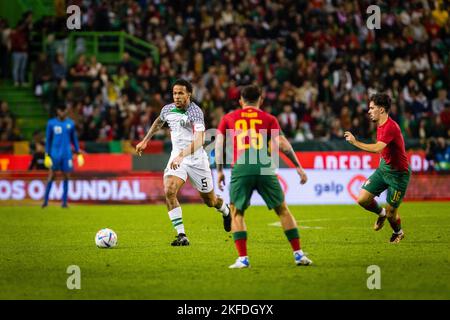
372, 147
156, 126
199, 138
286, 148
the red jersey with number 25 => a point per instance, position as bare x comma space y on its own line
394, 153
251, 130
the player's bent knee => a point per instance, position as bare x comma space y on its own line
237, 213
363, 201
282, 209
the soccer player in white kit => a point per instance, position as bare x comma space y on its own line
187, 159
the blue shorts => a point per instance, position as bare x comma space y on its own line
62, 164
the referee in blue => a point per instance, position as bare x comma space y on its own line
60, 135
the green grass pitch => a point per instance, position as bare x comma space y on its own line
37, 246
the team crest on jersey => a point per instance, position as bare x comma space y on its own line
68, 126
184, 121
57, 130
367, 182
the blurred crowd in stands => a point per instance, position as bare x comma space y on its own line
317, 61
9, 130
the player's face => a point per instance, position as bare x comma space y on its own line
374, 112
61, 113
180, 96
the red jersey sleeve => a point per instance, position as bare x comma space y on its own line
275, 125
222, 126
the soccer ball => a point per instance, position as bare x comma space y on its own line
106, 238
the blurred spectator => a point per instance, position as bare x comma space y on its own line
126, 64
59, 67
80, 70
440, 101
19, 48
9, 131
5, 48
303, 132
416, 31
438, 154
445, 117
288, 121
37, 162
173, 40
42, 74
94, 67
145, 69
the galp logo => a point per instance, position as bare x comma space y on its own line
332, 187
355, 185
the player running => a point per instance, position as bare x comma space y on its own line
58, 153
251, 130
188, 158
393, 172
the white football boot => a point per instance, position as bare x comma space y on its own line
301, 259
241, 262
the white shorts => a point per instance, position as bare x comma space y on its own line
196, 168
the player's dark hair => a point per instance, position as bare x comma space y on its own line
251, 93
381, 100
184, 83
61, 107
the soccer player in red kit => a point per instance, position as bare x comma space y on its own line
393, 172
251, 131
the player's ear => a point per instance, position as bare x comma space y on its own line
241, 102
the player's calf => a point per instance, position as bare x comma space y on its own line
224, 209
380, 221
211, 200
370, 205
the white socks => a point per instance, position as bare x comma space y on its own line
224, 209
175, 216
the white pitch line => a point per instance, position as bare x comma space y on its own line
278, 224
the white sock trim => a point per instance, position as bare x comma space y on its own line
176, 216
224, 209
175, 213
383, 212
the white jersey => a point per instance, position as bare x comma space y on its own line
183, 124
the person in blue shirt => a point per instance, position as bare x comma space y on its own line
60, 136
